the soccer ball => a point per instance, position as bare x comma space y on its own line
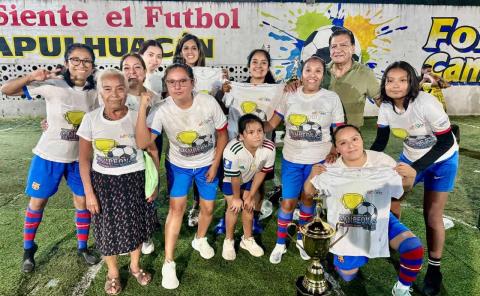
317, 43
122, 151
262, 115
310, 126
202, 140
366, 208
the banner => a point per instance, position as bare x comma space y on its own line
446, 37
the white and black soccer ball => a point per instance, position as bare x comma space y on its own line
366, 208
202, 140
310, 126
317, 43
262, 115
123, 151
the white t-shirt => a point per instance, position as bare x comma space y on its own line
115, 151
133, 102
208, 80
417, 126
154, 82
308, 118
65, 107
191, 132
239, 162
244, 98
360, 198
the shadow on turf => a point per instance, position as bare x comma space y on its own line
470, 153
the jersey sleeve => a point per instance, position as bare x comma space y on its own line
395, 184
281, 107
85, 129
219, 118
37, 88
435, 115
230, 163
338, 117
153, 121
382, 120
270, 146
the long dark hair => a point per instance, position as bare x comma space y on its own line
413, 84
269, 77
66, 75
178, 58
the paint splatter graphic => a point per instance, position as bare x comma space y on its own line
299, 33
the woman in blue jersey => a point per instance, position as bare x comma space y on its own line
428, 145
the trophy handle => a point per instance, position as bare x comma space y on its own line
291, 224
339, 224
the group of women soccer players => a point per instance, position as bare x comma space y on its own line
220, 135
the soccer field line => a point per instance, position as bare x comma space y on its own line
466, 124
87, 279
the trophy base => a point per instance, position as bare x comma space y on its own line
302, 291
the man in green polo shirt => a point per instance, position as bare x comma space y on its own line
352, 81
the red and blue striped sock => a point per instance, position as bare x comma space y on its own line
306, 215
30, 226
82, 222
283, 220
411, 259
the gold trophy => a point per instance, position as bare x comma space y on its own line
316, 236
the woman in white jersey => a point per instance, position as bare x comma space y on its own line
68, 97
246, 161
196, 128
152, 53
308, 113
375, 185
113, 173
428, 145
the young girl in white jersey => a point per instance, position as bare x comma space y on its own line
68, 97
246, 161
367, 238
428, 145
309, 114
196, 128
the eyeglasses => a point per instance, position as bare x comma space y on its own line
77, 61
182, 82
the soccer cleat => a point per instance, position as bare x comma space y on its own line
202, 246
148, 247
169, 276
193, 217
401, 291
89, 258
220, 228
303, 254
257, 228
276, 255
228, 250
432, 283
251, 246
28, 264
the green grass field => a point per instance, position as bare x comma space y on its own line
59, 271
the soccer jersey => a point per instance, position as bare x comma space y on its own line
244, 98
417, 126
65, 108
154, 82
239, 162
359, 198
133, 102
115, 151
308, 118
191, 132
208, 80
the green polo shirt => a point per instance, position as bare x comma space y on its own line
353, 88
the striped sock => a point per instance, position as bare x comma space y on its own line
306, 214
32, 221
82, 222
283, 220
434, 265
411, 259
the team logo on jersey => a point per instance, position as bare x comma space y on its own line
362, 213
194, 144
249, 107
227, 163
114, 155
303, 129
35, 186
74, 118
420, 142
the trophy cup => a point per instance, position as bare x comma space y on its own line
316, 243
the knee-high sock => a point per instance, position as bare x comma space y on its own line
30, 226
411, 259
283, 220
306, 214
82, 222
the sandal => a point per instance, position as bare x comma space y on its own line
142, 277
113, 286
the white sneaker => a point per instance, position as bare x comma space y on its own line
193, 217
276, 255
169, 276
148, 247
202, 246
251, 246
401, 290
299, 246
228, 250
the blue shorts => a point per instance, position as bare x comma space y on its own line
227, 187
294, 176
395, 227
44, 176
439, 176
180, 180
